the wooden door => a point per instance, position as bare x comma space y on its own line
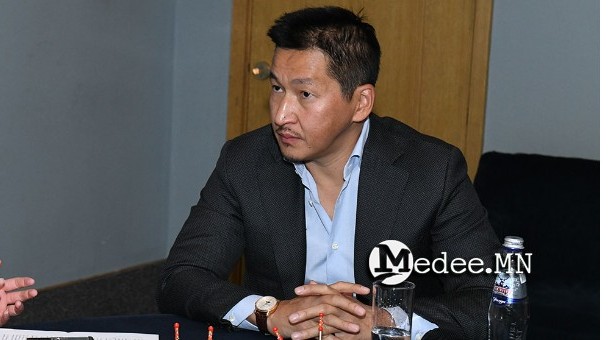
434, 56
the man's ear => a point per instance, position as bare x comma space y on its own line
364, 96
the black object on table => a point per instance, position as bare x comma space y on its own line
554, 204
162, 324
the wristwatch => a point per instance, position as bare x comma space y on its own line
264, 307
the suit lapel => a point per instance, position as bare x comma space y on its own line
282, 197
380, 191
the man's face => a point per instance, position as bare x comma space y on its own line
311, 119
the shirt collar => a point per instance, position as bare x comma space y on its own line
354, 159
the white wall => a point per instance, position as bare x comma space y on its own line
112, 115
85, 114
543, 93
201, 75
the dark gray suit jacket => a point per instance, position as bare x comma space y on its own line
413, 188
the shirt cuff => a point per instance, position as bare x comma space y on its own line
419, 326
238, 315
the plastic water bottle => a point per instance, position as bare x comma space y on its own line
508, 309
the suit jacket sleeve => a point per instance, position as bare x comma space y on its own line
462, 230
194, 281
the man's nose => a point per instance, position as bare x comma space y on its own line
283, 112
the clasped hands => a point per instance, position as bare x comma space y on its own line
11, 298
344, 316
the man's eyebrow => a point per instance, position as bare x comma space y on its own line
299, 81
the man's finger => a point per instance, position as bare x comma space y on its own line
329, 337
15, 309
21, 295
4, 317
335, 288
333, 324
336, 304
330, 328
314, 289
18, 282
346, 287
313, 332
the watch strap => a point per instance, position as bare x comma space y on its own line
262, 316
261, 321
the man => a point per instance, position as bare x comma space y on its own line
11, 299
308, 197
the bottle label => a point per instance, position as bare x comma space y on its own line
508, 289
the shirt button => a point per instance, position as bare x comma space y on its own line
311, 203
335, 246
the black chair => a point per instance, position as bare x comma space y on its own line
554, 204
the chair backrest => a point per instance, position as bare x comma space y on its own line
553, 203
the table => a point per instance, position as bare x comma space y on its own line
162, 324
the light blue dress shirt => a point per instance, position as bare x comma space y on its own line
330, 242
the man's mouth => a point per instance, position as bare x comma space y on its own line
287, 136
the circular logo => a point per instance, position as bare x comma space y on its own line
391, 262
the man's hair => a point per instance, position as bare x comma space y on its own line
349, 43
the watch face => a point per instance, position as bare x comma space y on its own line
266, 303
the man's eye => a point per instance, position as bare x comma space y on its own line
306, 94
276, 88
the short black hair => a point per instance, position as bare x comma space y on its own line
350, 43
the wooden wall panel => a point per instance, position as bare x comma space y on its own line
400, 34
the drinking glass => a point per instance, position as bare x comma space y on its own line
392, 311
